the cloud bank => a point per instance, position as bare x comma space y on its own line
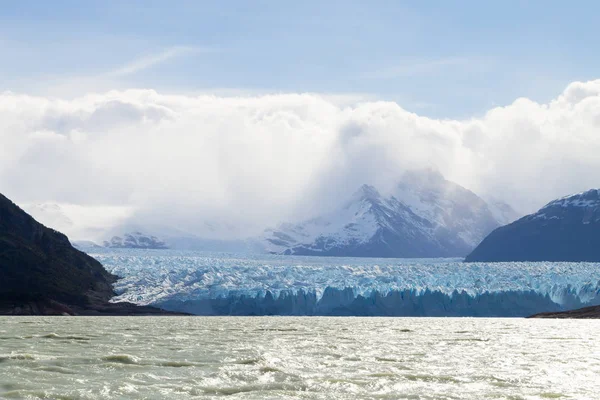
249, 162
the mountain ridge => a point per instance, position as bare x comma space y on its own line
424, 216
565, 229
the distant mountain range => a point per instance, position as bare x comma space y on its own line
566, 229
135, 240
137, 236
425, 216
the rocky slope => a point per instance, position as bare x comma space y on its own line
425, 216
41, 273
592, 312
566, 229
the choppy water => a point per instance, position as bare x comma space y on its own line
307, 358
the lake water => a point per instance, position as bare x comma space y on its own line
297, 357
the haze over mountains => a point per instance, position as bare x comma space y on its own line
424, 215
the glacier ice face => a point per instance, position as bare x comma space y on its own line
178, 277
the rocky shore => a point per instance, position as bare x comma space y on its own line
51, 307
592, 312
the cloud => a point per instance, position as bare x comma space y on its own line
254, 161
151, 60
71, 84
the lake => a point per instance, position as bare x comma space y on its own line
297, 357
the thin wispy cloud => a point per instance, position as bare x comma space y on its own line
75, 85
153, 60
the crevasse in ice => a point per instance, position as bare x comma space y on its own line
175, 278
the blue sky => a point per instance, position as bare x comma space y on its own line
437, 58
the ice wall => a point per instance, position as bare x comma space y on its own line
227, 284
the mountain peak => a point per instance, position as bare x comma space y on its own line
587, 199
566, 229
136, 240
366, 192
426, 216
423, 177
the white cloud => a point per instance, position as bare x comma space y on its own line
151, 60
254, 161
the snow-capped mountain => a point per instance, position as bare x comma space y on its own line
424, 216
135, 240
171, 238
84, 245
566, 229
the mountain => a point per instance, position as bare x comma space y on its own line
41, 273
136, 240
566, 229
151, 236
85, 245
425, 216
502, 212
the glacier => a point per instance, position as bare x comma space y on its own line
206, 283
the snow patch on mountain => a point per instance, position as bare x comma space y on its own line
136, 240
587, 199
353, 222
584, 205
179, 239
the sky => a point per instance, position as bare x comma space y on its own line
250, 113
436, 58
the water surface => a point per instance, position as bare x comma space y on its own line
295, 357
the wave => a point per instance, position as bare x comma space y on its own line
121, 359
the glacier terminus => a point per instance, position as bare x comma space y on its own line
205, 283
